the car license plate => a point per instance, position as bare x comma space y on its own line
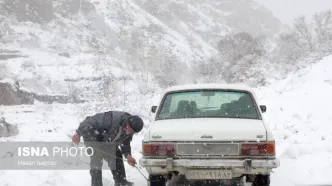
208, 174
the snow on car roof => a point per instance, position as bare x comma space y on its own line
209, 86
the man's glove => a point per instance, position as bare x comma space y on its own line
131, 160
76, 138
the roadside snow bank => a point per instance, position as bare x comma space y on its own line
299, 113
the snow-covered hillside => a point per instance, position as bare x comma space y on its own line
91, 46
298, 113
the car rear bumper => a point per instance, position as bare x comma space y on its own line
233, 168
236, 166
209, 163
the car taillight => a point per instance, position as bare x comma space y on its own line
258, 149
158, 149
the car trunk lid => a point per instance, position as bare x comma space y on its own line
208, 129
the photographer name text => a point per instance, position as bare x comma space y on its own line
36, 163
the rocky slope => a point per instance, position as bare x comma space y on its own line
95, 46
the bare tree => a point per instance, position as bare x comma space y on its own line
303, 29
289, 47
323, 28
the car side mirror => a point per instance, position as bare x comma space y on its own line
263, 108
153, 109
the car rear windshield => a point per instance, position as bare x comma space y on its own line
208, 103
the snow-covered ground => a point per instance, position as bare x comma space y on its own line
299, 113
54, 122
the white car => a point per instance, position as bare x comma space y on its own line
209, 132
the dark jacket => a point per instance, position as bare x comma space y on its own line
105, 127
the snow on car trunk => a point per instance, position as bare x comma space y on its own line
208, 129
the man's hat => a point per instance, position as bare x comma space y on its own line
136, 123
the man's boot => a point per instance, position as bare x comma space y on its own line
123, 183
96, 178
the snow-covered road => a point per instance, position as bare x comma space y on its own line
299, 113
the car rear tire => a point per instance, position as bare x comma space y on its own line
156, 180
261, 180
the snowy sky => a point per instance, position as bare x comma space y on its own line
287, 10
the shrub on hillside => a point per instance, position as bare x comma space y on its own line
3, 70
235, 47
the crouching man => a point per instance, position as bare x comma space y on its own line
112, 127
